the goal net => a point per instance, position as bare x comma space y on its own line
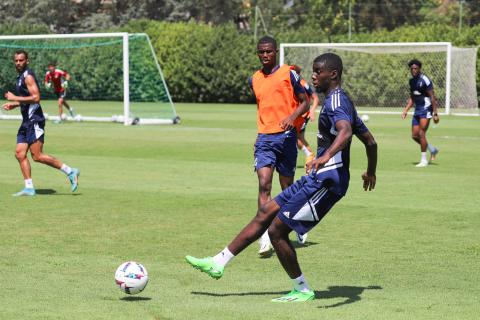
376, 74
114, 76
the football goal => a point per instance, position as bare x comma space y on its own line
376, 74
114, 76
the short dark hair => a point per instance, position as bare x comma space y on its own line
53, 64
414, 61
331, 62
21, 51
269, 40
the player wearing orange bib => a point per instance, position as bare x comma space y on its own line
281, 100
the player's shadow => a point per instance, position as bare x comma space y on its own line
430, 163
134, 298
53, 192
46, 191
350, 294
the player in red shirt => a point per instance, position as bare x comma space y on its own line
59, 79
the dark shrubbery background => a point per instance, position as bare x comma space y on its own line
200, 62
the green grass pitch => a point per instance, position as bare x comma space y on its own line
408, 250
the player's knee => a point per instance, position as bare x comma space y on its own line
415, 136
262, 215
273, 233
20, 155
37, 156
264, 186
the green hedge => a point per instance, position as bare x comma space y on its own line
201, 63
211, 64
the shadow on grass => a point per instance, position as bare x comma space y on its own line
297, 245
134, 298
350, 293
46, 191
50, 192
429, 163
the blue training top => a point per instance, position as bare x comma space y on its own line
337, 106
30, 111
419, 86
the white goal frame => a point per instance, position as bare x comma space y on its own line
446, 45
126, 119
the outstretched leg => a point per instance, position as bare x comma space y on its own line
255, 228
214, 266
36, 150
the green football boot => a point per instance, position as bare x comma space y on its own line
206, 265
296, 296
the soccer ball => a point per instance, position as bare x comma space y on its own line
78, 117
131, 277
365, 118
63, 116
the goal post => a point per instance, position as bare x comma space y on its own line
376, 74
115, 76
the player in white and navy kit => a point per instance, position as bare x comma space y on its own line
426, 105
302, 205
31, 133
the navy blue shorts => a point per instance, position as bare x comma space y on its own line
278, 150
61, 95
305, 203
424, 115
29, 132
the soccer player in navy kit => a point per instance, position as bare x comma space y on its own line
426, 105
30, 135
302, 205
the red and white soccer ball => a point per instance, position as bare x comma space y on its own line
131, 277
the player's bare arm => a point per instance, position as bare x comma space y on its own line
288, 122
34, 96
10, 105
407, 107
369, 176
344, 135
432, 97
313, 107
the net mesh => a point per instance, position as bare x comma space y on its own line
96, 69
376, 77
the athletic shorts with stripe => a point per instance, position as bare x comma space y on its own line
427, 114
31, 131
306, 202
278, 150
